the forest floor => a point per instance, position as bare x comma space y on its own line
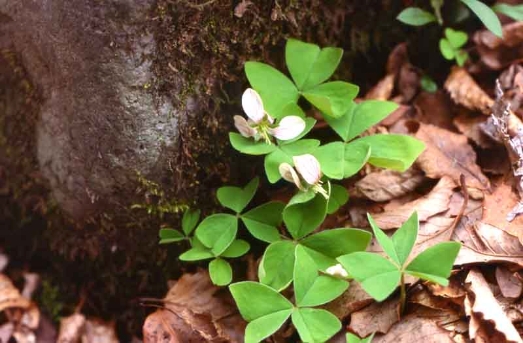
465, 186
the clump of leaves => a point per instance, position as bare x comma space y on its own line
451, 45
380, 276
275, 128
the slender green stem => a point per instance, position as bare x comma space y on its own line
403, 294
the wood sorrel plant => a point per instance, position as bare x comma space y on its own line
452, 43
296, 255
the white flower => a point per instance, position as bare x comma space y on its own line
288, 128
260, 123
337, 270
308, 167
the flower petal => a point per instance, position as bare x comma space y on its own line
288, 128
253, 105
243, 127
288, 173
308, 167
337, 270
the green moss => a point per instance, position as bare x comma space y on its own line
49, 300
157, 204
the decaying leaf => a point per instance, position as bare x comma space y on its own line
497, 53
377, 317
194, 311
509, 282
466, 92
449, 154
99, 331
498, 205
453, 290
383, 89
6, 331
386, 184
435, 202
10, 296
484, 243
435, 108
469, 125
485, 307
414, 329
71, 328
353, 299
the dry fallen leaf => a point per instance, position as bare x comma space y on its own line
377, 317
435, 108
98, 331
497, 53
10, 296
483, 243
382, 90
449, 154
469, 125
353, 299
486, 308
509, 282
194, 311
498, 204
466, 92
71, 328
435, 202
387, 184
413, 329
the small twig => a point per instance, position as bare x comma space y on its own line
514, 145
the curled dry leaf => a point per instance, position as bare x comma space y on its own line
424, 297
496, 53
435, 202
498, 205
383, 89
10, 296
449, 154
454, 290
387, 184
194, 311
485, 307
414, 329
509, 282
484, 243
377, 317
466, 92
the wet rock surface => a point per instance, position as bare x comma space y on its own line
101, 119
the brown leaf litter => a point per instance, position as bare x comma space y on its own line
195, 310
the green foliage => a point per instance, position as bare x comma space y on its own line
428, 84
297, 253
416, 16
352, 338
486, 15
380, 276
513, 11
451, 44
